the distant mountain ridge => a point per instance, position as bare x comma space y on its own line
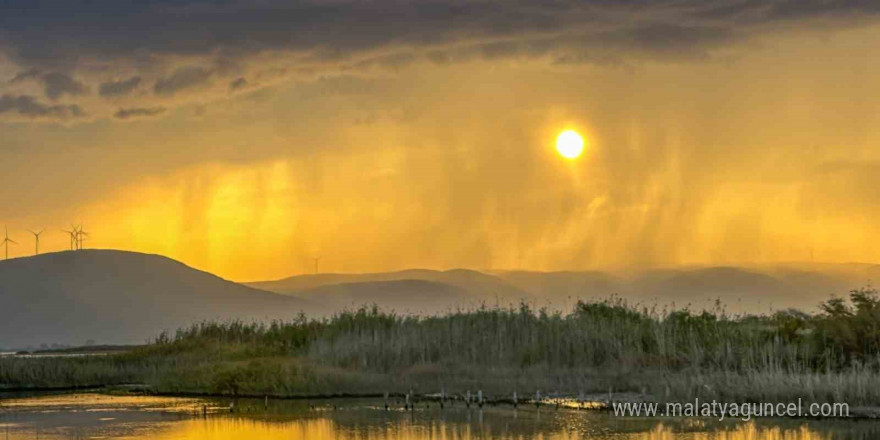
117, 297
478, 286
758, 289
406, 296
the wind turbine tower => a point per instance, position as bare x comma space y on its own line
69, 233
36, 241
6, 242
77, 235
81, 236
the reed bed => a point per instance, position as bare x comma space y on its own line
597, 347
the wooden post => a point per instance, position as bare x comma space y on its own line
467, 398
514, 400
386, 400
480, 398
538, 399
266, 403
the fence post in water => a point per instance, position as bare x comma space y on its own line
538, 399
480, 398
406, 405
467, 398
386, 400
442, 397
514, 399
205, 411
266, 402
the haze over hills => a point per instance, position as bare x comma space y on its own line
407, 296
738, 289
477, 286
117, 297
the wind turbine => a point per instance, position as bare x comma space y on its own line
70, 233
74, 235
77, 235
81, 236
37, 240
6, 242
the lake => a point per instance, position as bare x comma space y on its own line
81, 416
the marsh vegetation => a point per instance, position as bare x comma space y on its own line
598, 347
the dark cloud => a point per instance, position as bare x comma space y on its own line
793, 9
55, 84
29, 107
138, 112
23, 76
182, 78
238, 84
119, 88
58, 84
62, 32
664, 37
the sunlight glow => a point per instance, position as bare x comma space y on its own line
569, 144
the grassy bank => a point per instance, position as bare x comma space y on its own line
598, 347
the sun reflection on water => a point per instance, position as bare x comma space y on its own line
326, 429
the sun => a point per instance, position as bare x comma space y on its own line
569, 144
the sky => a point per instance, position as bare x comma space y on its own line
248, 138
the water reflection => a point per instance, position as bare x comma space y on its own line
151, 418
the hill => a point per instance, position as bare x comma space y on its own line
560, 290
116, 297
754, 289
737, 289
402, 296
758, 289
462, 284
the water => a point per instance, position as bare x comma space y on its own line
82, 416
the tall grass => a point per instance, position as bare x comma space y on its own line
598, 345
598, 334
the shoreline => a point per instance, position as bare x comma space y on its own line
555, 402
